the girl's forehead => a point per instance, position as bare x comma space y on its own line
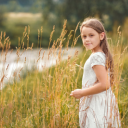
87, 30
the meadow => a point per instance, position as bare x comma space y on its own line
42, 99
14, 26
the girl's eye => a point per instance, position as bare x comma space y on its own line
84, 36
91, 35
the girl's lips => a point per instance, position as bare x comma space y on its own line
87, 44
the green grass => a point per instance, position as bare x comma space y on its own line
42, 99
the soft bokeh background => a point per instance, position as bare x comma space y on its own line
37, 80
16, 14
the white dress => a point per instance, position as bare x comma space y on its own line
98, 110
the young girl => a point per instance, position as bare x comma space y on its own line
98, 107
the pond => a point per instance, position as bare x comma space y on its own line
15, 63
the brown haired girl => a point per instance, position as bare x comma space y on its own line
98, 107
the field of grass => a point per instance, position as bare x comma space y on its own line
42, 99
15, 23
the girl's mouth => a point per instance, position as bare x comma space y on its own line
87, 44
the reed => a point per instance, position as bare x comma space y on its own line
42, 99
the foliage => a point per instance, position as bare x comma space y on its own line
112, 13
78, 10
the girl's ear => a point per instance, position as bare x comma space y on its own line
102, 35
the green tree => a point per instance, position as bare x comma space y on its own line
1, 17
116, 10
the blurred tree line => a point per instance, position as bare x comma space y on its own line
109, 11
55, 11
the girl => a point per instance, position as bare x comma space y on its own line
98, 107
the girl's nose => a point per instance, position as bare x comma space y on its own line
87, 38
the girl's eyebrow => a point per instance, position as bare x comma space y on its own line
88, 33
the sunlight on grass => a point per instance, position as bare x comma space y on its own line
42, 99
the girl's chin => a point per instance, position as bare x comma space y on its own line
88, 48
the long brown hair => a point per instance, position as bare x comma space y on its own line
97, 26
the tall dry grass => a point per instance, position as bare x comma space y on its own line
42, 99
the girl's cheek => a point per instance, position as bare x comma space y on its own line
83, 40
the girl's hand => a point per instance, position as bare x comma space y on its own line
77, 93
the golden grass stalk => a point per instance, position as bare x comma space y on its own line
42, 99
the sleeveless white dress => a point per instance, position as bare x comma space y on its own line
98, 110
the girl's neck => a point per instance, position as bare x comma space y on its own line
97, 49
100, 50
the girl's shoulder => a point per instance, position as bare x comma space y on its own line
98, 54
98, 58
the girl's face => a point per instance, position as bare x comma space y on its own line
91, 39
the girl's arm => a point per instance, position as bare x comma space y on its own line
102, 85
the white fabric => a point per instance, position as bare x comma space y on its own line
99, 110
